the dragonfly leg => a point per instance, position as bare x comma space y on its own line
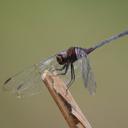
62, 68
72, 77
59, 69
66, 67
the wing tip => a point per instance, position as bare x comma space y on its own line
4, 86
5, 82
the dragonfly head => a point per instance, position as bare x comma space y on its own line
62, 58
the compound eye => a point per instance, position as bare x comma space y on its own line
60, 59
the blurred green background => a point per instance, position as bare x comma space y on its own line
32, 30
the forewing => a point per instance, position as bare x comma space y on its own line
88, 76
26, 83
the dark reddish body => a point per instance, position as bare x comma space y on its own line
70, 55
67, 58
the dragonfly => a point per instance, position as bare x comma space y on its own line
68, 65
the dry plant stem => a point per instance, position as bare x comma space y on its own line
66, 103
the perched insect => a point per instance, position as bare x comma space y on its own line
66, 63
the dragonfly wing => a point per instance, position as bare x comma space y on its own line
26, 83
88, 76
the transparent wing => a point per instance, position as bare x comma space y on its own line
28, 82
88, 76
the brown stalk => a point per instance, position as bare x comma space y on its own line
65, 101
